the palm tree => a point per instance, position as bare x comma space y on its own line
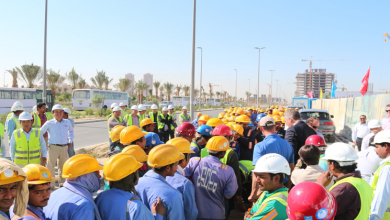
186, 90
204, 96
218, 94
211, 94
161, 88
168, 89
196, 92
248, 95
99, 80
107, 82
54, 80
225, 95
156, 85
14, 74
73, 78
141, 86
30, 74
150, 94
59, 89
178, 88
81, 84
123, 85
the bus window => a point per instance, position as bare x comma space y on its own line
186, 98
14, 94
103, 94
27, 95
124, 96
95, 93
6, 94
49, 97
33, 95
39, 94
20, 95
108, 95
81, 94
114, 95
1, 94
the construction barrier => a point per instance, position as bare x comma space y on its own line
347, 111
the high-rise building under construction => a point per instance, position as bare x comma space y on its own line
319, 79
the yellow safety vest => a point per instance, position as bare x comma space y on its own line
27, 152
279, 196
365, 194
183, 117
161, 124
1, 131
37, 119
204, 153
373, 186
108, 124
129, 120
151, 116
172, 116
49, 116
246, 168
141, 117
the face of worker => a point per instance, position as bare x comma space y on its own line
165, 112
244, 125
42, 109
134, 112
142, 112
315, 125
376, 130
185, 111
65, 115
7, 195
142, 143
381, 150
270, 112
363, 119
151, 127
278, 125
172, 170
170, 111
154, 111
265, 182
122, 107
26, 124
117, 114
39, 195
388, 111
58, 113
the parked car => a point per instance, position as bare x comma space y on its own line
295, 106
147, 105
327, 127
165, 104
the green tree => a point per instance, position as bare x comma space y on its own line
73, 78
30, 74
186, 90
178, 89
218, 94
14, 74
161, 88
150, 94
97, 100
54, 80
156, 85
81, 84
99, 80
168, 89
123, 85
141, 86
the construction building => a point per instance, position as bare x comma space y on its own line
319, 79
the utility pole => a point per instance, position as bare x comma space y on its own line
44, 56
272, 73
258, 75
277, 88
192, 113
236, 84
201, 68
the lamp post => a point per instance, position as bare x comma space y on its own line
258, 75
272, 73
201, 68
193, 63
44, 56
236, 84
277, 88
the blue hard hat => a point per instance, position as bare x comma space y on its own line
205, 130
250, 124
259, 116
152, 139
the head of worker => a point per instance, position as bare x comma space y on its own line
239, 131
269, 111
164, 159
312, 201
225, 131
243, 120
152, 140
122, 105
17, 108
148, 125
203, 134
115, 135
116, 112
113, 105
198, 115
154, 108
184, 109
363, 119
134, 110
382, 144
214, 122
170, 109
267, 126
291, 116
217, 146
67, 113
26, 120
58, 112
140, 155
203, 119
13, 188
164, 111
317, 141
309, 155
184, 147
39, 179
375, 126
278, 122
132, 135
186, 130
41, 107
141, 109
270, 171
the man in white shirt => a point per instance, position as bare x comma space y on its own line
360, 131
386, 120
375, 126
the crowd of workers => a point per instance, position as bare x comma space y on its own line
203, 168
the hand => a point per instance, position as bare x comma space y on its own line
324, 179
43, 162
299, 163
252, 197
69, 145
355, 143
158, 207
240, 205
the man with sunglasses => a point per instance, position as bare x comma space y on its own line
360, 131
386, 120
314, 123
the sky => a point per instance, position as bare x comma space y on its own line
155, 36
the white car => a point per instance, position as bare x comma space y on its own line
147, 105
166, 104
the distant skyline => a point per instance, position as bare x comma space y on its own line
154, 37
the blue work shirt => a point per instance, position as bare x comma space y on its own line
71, 122
151, 186
59, 132
114, 204
236, 147
42, 143
214, 182
196, 148
38, 212
323, 164
65, 204
186, 188
380, 202
273, 144
11, 126
3, 214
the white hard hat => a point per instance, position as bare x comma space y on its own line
25, 116
35, 108
184, 107
343, 153
56, 107
382, 137
116, 109
113, 105
68, 111
170, 107
164, 109
374, 124
122, 104
17, 106
141, 108
134, 107
272, 163
154, 106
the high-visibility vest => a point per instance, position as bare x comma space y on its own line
129, 120
279, 196
365, 194
173, 116
183, 117
49, 116
246, 168
27, 213
1, 131
141, 117
151, 116
37, 119
373, 186
204, 153
17, 122
161, 124
120, 121
27, 152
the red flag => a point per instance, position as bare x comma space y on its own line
363, 90
310, 94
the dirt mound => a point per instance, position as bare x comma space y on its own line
98, 151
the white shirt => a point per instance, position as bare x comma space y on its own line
368, 163
360, 131
310, 174
366, 141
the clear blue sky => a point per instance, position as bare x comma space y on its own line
127, 36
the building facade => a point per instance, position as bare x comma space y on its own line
148, 78
131, 77
319, 80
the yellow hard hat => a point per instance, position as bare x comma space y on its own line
10, 176
218, 143
231, 123
281, 114
297, 109
120, 166
283, 121
240, 112
181, 144
221, 115
204, 118
225, 120
135, 151
277, 106
79, 165
146, 121
225, 110
199, 114
261, 110
239, 129
116, 132
227, 115
275, 111
214, 122
232, 118
38, 174
130, 134
230, 126
163, 155
243, 119
276, 118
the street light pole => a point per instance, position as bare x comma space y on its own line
44, 56
277, 88
258, 76
201, 68
272, 73
236, 84
193, 63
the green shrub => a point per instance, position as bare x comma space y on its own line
89, 111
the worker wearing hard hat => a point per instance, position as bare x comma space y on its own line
133, 118
12, 123
184, 116
278, 127
27, 142
113, 105
203, 120
214, 122
139, 154
153, 116
148, 125
380, 181
319, 142
250, 135
40, 116
152, 140
221, 181
141, 112
164, 159
132, 135
74, 200
202, 136
369, 161
123, 106
375, 126
39, 179
180, 182
195, 121
165, 122
352, 193
186, 130
115, 138
269, 173
113, 121
121, 201
174, 124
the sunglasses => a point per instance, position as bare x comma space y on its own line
387, 110
362, 118
315, 127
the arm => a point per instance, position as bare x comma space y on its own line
13, 147
180, 118
45, 127
70, 134
291, 137
381, 199
10, 124
231, 184
176, 207
42, 144
354, 133
233, 163
190, 209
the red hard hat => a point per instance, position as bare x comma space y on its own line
222, 130
309, 200
186, 129
317, 141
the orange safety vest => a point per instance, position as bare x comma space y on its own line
27, 213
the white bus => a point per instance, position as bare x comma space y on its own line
214, 102
82, 98
183, 100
